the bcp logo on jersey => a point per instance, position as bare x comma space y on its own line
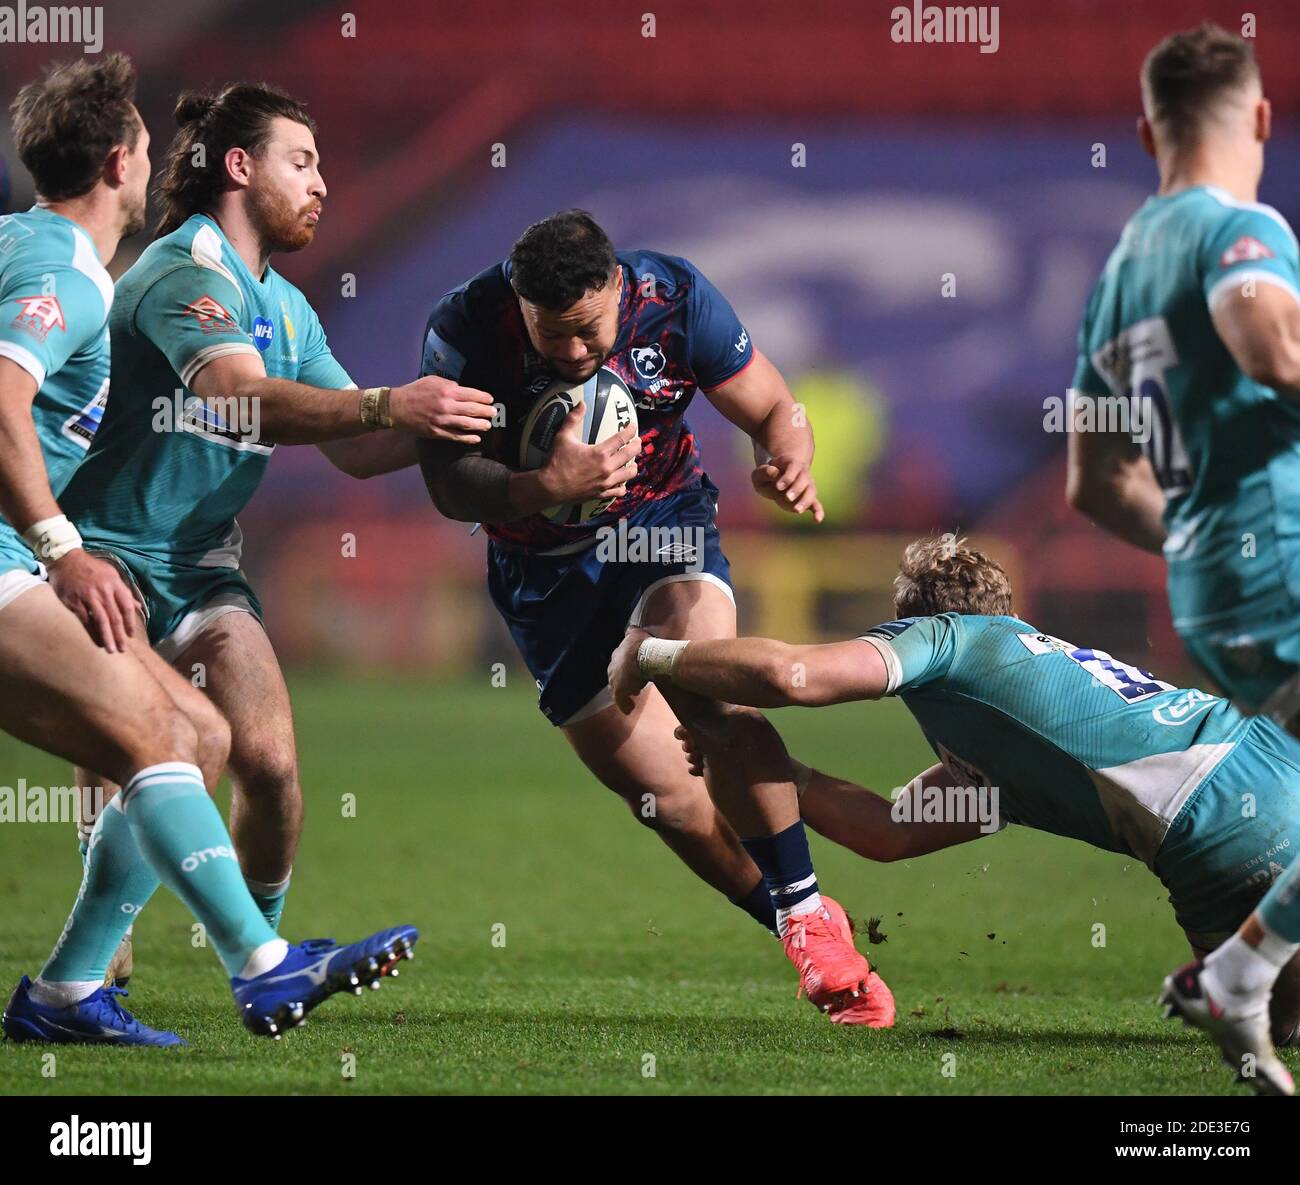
263, 333
649, 360
39, 314
1183, 709
1245, 248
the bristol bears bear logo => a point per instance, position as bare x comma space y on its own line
648, 360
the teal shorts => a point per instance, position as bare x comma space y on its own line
15, 555
19, 570
1249, 664
180, 601
1234, 835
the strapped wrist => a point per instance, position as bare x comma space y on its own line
375, 407
657, 658
52, 538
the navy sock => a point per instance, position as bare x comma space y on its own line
787, 870
758, 904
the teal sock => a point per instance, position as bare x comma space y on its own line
269, 898
116, 883
1280, 908
182, 835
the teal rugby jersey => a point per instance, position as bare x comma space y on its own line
1077, 742
1225, 449
54, 301
168, 485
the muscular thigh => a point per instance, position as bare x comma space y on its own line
688, 609
65, 694
242, 677
692, 609
636, 755
180, 690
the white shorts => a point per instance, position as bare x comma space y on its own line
194, 623
15, 582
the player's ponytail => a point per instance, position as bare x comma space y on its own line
193, 174
940, 574
192, 106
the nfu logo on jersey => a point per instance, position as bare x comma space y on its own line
263, 333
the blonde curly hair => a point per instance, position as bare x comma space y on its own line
940, 574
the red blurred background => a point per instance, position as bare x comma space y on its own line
922, 160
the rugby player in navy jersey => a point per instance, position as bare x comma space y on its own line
562, 306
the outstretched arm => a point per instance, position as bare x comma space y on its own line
873, 826
370, 456
295, 413
859, 819
760, 672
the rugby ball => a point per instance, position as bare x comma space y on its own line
608, 408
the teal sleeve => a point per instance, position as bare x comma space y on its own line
192, 314
46, 319
1251, 243
1086, 379
318, 367
916, 650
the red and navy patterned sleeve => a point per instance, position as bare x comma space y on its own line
446, 338
719, 344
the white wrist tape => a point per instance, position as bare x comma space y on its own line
657, 658
52, 538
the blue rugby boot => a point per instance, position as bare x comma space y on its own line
314, 970
99, 1019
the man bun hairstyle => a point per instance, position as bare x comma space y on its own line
193, 174
68, 120
558, 260
941, 574
1188, 72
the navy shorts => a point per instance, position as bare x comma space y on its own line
568, 613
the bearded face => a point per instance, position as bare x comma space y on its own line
286, 190
281, 223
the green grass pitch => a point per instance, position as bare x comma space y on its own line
619, 972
